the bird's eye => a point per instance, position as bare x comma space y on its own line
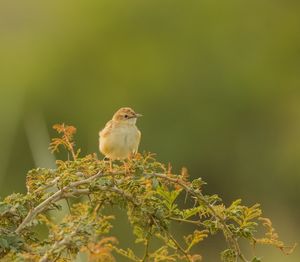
126, 116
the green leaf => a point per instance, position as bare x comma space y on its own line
4, 208
169, 197
195, 238
198, 183
10, 241
3, 243
155, 183
228, 255
187, 213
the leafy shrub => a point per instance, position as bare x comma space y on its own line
145, 188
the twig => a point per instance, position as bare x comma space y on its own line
196, 193
53, 198
71, 191
125, 194
146, 254
87, 180
69, 144
198, 223
178, 246
58, 244
38, 209
50, 184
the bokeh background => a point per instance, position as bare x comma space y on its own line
218, 83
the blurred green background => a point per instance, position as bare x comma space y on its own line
218, 83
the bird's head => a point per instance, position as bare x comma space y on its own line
126, 115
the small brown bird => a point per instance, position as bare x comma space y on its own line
120, 137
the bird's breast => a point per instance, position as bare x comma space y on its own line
120, 142
125, 136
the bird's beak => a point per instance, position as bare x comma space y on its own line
138, 115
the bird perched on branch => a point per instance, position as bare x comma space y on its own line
120, 137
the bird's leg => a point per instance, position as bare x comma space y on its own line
111, 171
129, 162
110, 168
110, 163
126, 166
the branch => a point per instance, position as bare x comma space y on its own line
194, 222
65, 241
50, 184
71, 191
178, 246
146, 253
150, 197
196, 193
38, 209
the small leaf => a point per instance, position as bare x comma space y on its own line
3, 243
228, 255
187, 213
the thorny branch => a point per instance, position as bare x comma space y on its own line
147, 190
58, 244
72, 190
179, 247
69, 191
196, 193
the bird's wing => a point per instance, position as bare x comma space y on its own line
107, 129
139, 135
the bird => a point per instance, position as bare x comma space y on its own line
120, 138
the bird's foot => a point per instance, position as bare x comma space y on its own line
110, 168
